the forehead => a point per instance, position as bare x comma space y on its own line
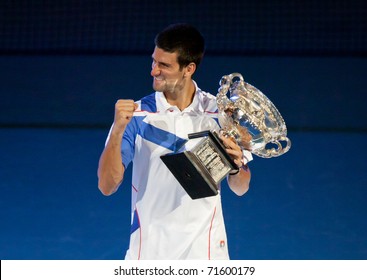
162, 56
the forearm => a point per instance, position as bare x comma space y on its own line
110, 167
240, 182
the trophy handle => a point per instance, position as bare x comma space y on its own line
279, 149
225, 82
226, 107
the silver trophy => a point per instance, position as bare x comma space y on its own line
249, 113
249, 118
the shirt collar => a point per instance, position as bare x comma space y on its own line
195, 106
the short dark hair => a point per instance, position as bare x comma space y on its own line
184, 39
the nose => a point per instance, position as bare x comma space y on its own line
155, 70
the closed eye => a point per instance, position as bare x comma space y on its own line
160, 64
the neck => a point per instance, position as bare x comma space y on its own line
183, 98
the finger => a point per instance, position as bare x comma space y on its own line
236, 158
235, 152
230, 143
125, 103
126, 114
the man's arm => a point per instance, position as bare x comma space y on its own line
239, 183
110, 168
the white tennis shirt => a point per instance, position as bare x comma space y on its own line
166, 223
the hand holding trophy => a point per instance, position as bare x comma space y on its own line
249, 118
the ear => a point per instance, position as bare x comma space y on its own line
190, 69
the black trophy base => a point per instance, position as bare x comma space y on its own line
189, 176
198, 177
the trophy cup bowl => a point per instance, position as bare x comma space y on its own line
248, 117
249, 114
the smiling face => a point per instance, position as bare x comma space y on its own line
168, 77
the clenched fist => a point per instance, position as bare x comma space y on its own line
124, 110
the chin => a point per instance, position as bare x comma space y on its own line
158, 87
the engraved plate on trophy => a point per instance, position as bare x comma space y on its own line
201, 169
249, 118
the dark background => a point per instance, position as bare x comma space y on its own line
63, 64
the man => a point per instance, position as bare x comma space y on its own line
166, 222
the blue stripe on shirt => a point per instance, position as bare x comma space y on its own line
148, 103
160, 137
150, 133
135, 224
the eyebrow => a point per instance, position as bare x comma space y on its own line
161, 63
